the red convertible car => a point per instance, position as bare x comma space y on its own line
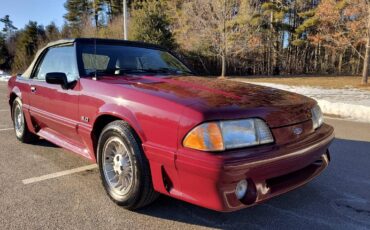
153, 127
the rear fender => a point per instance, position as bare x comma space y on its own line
25, 107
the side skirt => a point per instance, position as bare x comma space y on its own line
64, 142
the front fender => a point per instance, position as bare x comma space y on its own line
122, 113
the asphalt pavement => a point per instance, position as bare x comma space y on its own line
337, 199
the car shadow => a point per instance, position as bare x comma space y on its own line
44, 143
285, 207
327, 201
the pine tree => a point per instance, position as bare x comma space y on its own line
4, 54
52, 32
78, 12
27, 45
9, 28
6, 33
115, 8
273, 16
149, 23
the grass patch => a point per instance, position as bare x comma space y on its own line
336, 82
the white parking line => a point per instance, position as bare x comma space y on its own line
59, 174
4, 110
6, 129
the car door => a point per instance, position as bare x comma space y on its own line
52, 107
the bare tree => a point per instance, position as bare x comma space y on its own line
365, 72
219, 27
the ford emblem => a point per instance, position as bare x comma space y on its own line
297, 131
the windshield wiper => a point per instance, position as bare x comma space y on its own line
169, 71
140, 70
149, 70
113, 71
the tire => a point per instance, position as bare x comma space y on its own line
20, 124
124, 169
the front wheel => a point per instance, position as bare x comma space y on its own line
124, 170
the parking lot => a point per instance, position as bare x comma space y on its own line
338, 199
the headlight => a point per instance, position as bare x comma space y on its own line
317, 118
222, 135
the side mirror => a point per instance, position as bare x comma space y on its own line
57, 78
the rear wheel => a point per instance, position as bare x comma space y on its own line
20, 124
124, 170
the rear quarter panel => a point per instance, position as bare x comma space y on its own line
20, 87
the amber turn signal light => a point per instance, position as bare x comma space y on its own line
206, 137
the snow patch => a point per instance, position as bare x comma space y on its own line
353, 111
347, 102
4, 78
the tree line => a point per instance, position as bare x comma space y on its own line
218, 37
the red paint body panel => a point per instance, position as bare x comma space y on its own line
163, 109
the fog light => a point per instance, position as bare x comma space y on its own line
241, 189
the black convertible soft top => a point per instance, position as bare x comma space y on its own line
98, 41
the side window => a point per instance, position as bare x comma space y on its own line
58, 59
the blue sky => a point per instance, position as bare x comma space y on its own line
42, 11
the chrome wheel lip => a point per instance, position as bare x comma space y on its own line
18, 120
117, 166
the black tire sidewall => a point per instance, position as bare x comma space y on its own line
131, 198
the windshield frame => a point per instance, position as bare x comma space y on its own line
79, 50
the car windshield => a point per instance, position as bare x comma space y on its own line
120, 60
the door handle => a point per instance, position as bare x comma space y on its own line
33, 89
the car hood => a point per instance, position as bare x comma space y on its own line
226, 99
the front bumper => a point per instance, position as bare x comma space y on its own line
209, 180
